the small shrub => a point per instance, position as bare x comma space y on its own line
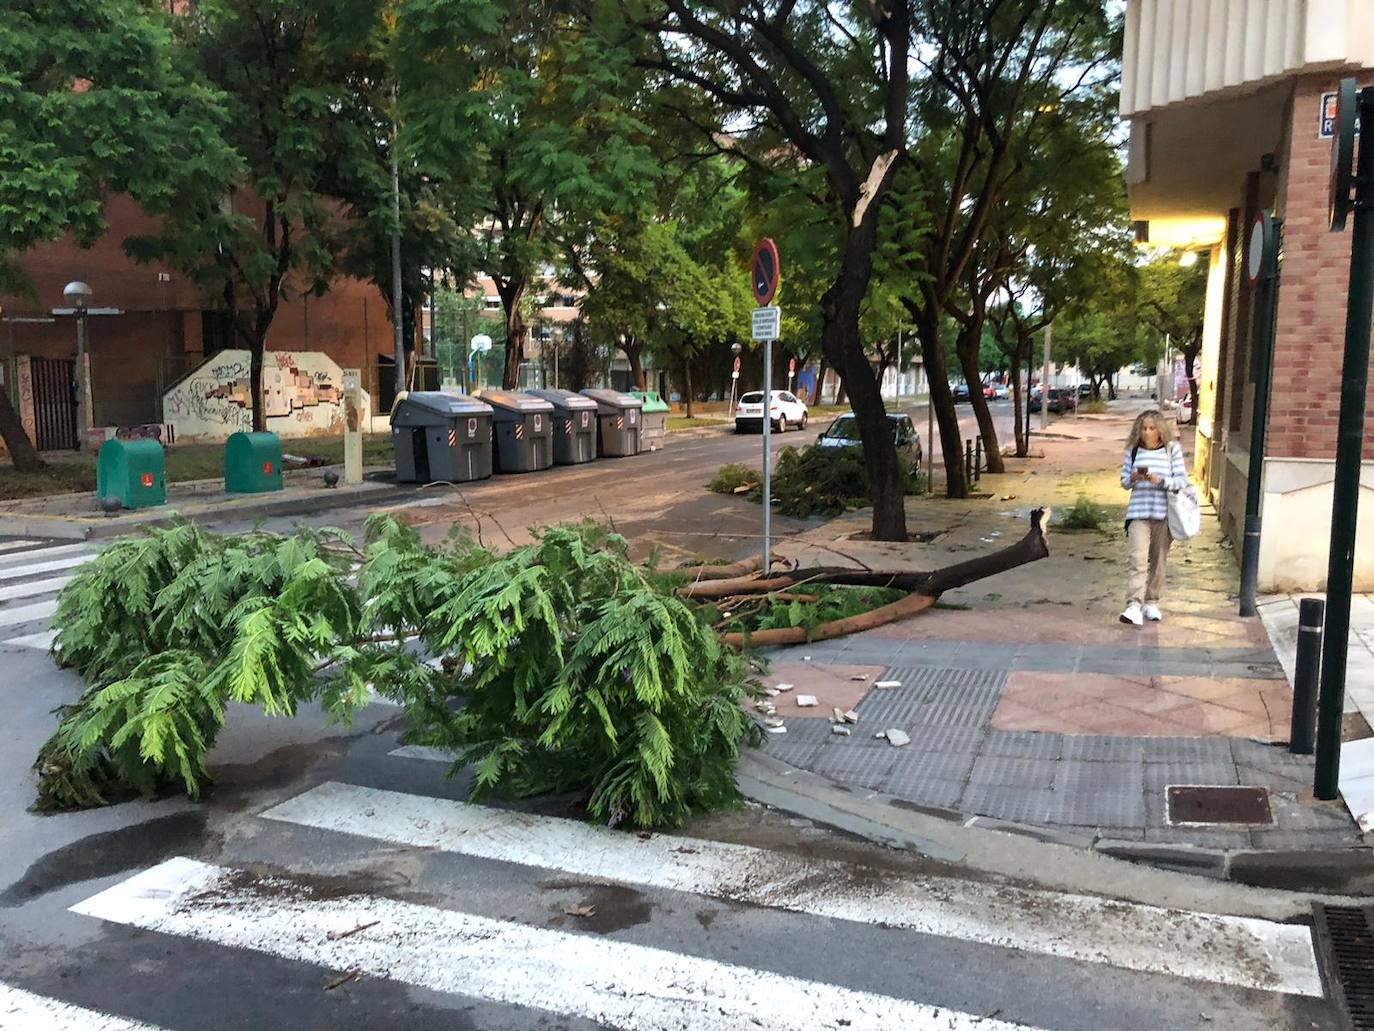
1095, 407
1085, 515
730, 478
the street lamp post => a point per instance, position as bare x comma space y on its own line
78, 294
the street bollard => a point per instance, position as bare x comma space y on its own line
1302, 736
968, 461
977, 459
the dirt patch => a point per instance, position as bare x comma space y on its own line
614, 907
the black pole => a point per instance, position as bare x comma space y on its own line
977, 459
968, 461
1345, 489
1259, 421
1307, 673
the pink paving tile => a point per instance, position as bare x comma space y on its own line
833, 686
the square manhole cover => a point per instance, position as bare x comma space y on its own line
1196, 804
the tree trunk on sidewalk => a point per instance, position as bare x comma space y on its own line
967, 350
634, 354
687, 387
820, 382
1018, 416
942, 399
22, 452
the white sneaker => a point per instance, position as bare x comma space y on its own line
1132, 615
1152, 612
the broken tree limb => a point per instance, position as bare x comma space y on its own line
738, 585
924, 588
734, 569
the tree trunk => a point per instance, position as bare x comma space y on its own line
512, 292
22, 452
579, 365
840, 307
1017, 415
942, 398
687, 386
634, 354
820, 382
255, 360
967, 350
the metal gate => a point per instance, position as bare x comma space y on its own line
54, 403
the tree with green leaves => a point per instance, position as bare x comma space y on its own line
803, 84
92, 103
1173, 298
1000, 79
295, 81
525, 122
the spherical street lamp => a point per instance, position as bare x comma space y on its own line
78, 295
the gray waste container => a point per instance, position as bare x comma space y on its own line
441, 437
618, 422
574, 426
523, 434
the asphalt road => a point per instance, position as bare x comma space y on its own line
334, 879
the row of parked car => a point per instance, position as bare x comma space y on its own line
786, 410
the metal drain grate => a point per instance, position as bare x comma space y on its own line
1345, 939
1191, 804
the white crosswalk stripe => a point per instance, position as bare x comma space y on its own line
623, 985
29, 590
34, 588
24, 1011
1227, 950
51, 566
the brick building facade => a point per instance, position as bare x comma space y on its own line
164, 329
1226, 107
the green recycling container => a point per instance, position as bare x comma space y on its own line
252, 463
132, 471
655, 432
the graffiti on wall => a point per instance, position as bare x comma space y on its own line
302, 396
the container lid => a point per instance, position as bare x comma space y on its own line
652, 402
446, 404
515, 401
565, 399
613, 398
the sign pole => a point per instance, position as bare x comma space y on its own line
1263, 269
1345, 489
767, 441
1045, 382
763, 282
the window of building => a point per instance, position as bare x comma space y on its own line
493, 303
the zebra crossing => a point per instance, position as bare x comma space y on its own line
32, 575
471, 922
278, 912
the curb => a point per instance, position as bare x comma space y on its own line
952, 836
81, 528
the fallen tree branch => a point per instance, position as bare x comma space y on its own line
734, 569
923, 588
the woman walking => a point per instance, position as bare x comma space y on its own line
1152, 468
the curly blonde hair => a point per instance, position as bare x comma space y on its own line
1163, 425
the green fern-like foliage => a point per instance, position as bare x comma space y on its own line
587, 678
169, 627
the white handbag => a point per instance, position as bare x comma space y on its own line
1185, 513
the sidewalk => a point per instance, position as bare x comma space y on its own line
1029, 705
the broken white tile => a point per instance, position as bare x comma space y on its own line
840, 729
859, 676
773, 721
777, 730
885, 684
806, 701
784, 687
771, 692
880, 735
850, 716
838, 716
897, 738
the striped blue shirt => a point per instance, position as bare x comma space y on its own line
1147, 500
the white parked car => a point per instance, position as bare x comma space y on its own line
786, 411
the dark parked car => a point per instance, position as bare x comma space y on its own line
1085, 391
961, 392
1062, 399
844, 432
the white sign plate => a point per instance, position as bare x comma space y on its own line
766, 322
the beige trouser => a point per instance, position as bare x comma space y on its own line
1150, 542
